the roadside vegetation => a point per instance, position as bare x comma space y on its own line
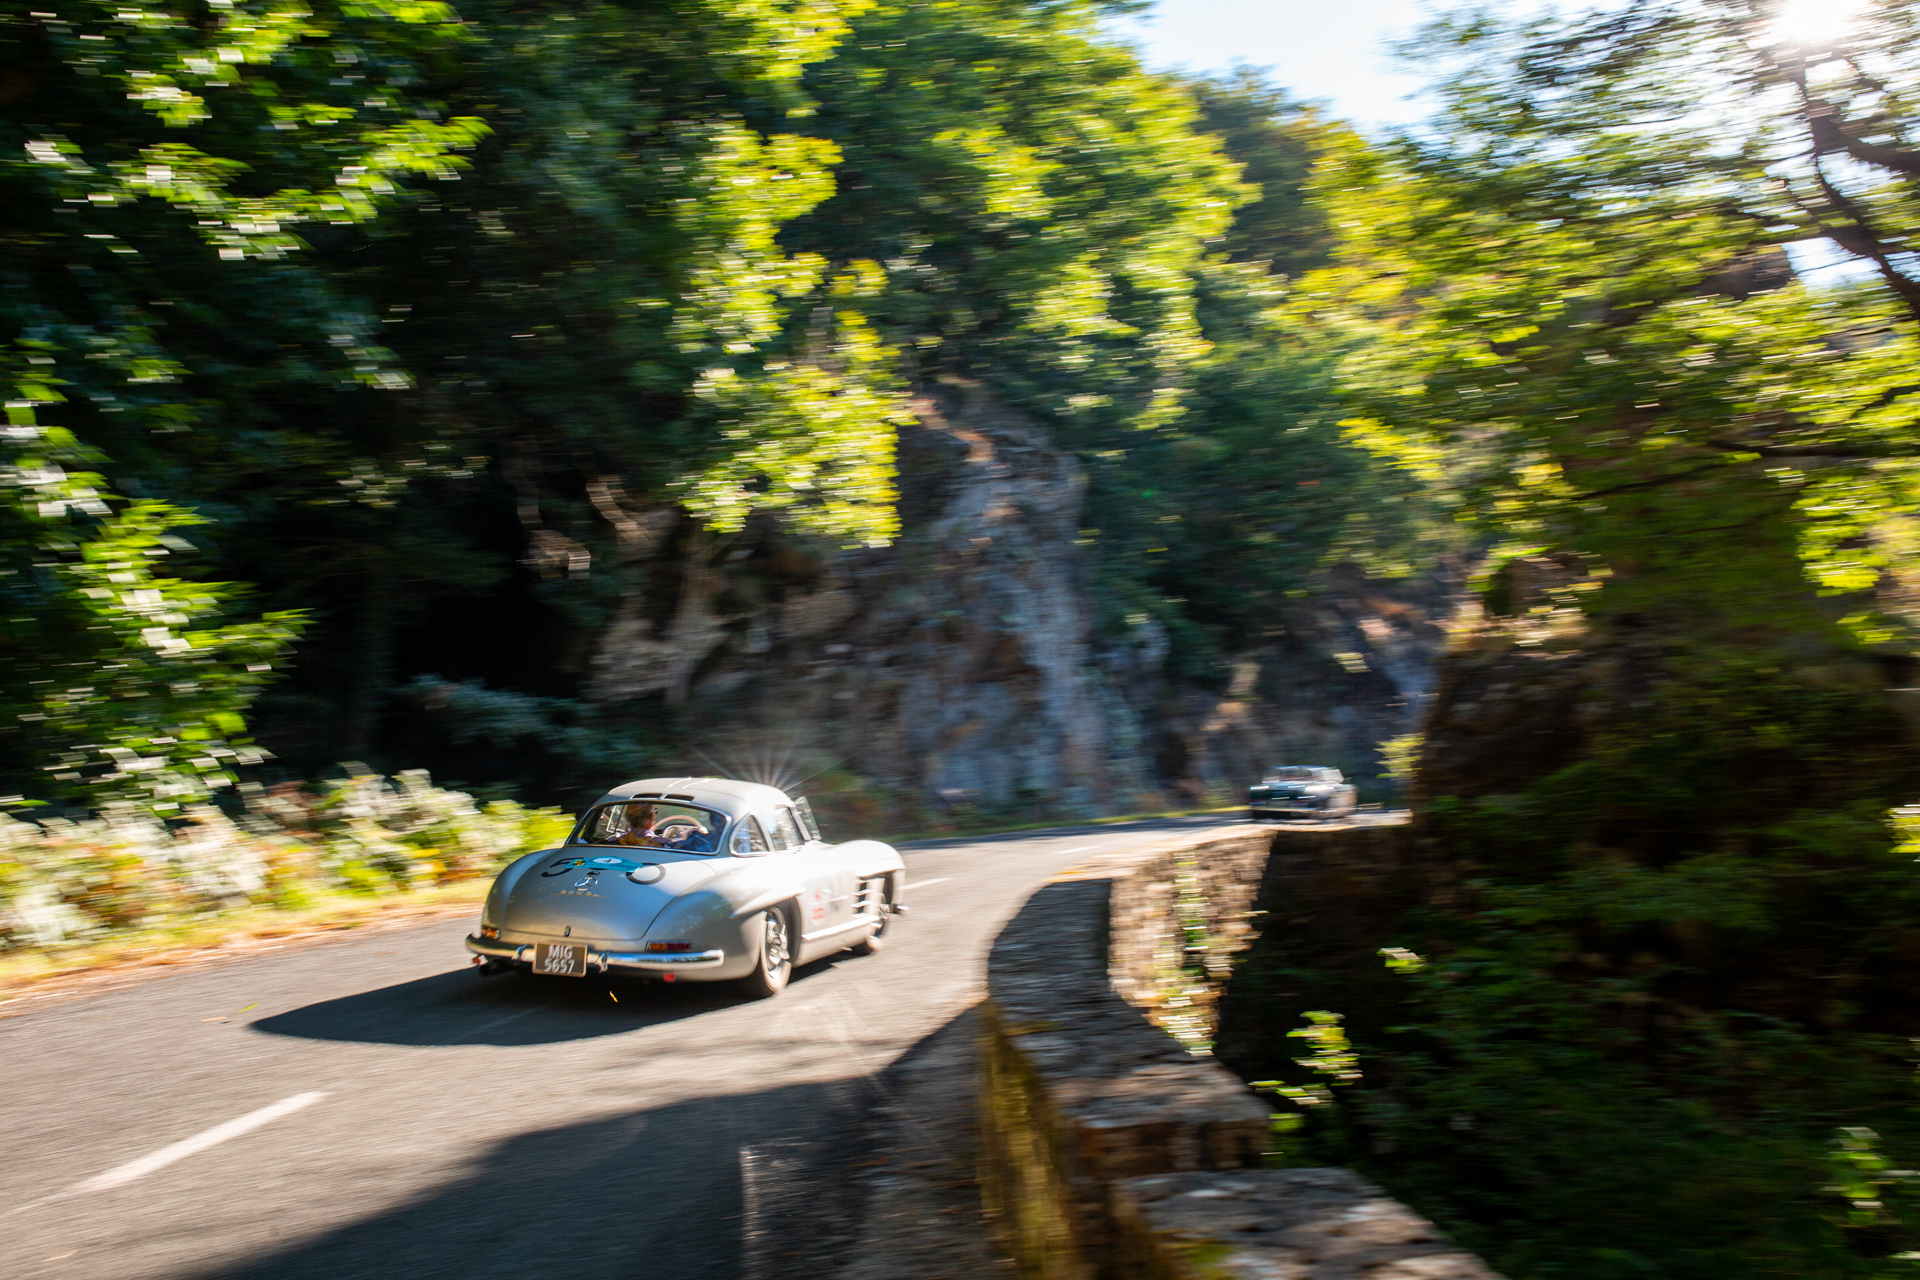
1643, 1002
90, 888
364, 361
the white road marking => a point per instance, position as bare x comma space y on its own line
1080, 848
197, 1143
921, 884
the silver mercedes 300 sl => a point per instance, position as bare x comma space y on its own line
707, 879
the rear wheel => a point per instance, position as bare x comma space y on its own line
775, 964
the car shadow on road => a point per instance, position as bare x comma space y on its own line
765, 1185
730, 1187
466, 1007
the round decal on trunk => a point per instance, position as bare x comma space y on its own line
646, 873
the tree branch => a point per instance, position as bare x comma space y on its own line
1830, 135
1636, 485
1861, 239
1886, 398
1824, 127
1858, 449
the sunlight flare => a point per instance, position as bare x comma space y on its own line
1815, 23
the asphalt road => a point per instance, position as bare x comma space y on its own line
375, 1107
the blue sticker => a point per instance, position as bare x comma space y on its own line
595, 865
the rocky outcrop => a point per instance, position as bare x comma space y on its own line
960, 668
955, 664
1344, 669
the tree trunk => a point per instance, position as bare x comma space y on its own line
373, 647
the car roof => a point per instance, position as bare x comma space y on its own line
730, 796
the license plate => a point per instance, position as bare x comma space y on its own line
566, 959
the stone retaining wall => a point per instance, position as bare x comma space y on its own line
1112, 1146
1177, 914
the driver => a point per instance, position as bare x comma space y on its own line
681, 831
648, 828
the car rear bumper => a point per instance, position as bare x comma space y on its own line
637, 961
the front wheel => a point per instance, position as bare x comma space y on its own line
775, 964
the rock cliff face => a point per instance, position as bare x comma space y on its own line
958, 668
1342, 670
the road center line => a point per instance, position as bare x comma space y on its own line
921, 884
1083, 848
198, 1142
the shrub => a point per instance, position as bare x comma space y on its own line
66, 881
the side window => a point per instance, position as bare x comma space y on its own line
776, 833
747, 839
789, 829
760, 844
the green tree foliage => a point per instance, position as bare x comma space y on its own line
619, 304
1583, 297
217, 220
157, 168
599, 329
1669, 929
123, 686
488, 321
1277, 142
1037, 201
449, 332
1054, 226
1041, 207
1231, 511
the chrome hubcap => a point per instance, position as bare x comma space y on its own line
775, 945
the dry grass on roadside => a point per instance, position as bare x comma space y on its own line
240, 931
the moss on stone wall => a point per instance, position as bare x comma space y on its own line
1024, 1163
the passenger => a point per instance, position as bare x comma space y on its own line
643, 826
639, 826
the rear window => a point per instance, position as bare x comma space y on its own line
653, 824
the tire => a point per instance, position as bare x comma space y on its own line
876, 941
775, 962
